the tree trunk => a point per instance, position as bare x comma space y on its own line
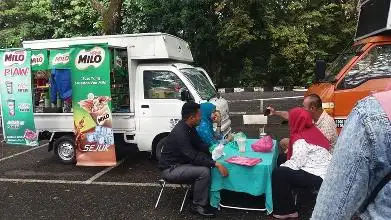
111, 15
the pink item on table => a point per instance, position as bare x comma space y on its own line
264, 144
244, 161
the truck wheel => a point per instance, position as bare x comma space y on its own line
64, 150
155, 143
158, 148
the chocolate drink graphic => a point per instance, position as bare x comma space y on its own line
11, 107
98, 108
9, 86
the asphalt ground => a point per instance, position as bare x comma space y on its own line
36, 186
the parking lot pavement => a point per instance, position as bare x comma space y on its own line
138, 168
36, 186
40, 164
128, 191
67, 201
8, 150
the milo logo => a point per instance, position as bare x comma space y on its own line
60, 58
37, 59
87, 58
103, 118
14, 57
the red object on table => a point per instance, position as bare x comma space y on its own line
244, 161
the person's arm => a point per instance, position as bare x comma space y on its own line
282, 114
189, 152
359, 156
199, 158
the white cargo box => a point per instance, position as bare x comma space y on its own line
374, 18
142, 46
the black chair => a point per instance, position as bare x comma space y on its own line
163, 182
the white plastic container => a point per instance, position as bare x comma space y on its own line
242, 145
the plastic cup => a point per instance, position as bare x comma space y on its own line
242, 145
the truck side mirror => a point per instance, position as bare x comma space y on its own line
186, 96
320, 70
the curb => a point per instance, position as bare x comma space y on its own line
263, 89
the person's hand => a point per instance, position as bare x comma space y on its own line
223, 171
272, 110
229, 138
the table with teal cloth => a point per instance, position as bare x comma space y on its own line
256, 180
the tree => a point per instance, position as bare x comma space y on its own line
133, 17
303, 30
240, 43
111, 16
75, 18
24, 20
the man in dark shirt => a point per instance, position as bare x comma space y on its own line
185, 158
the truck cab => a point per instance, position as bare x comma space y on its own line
157, 78
360, 70
203, 71
363, 69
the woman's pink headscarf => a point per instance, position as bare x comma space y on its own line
302, 127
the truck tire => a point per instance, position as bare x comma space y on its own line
155, 143
159, 146
65, 150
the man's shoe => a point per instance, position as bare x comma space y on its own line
202, 211
288, 216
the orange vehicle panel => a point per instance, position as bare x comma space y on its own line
341, 102
345, 100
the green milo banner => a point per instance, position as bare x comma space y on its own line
91, 101
39, 60
59, 59
16, 97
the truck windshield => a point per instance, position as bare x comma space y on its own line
200, 83
343, 59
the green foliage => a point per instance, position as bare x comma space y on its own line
240, 43
75, 18
24, 20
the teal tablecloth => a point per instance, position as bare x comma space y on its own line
254, 180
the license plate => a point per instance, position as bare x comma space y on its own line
340, 122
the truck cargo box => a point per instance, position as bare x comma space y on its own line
374, 18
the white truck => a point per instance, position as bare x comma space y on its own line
154, 62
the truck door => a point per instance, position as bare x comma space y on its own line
371, 73
159, 106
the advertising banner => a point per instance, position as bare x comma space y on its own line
59, 59
16, 97
91, 101
39, 60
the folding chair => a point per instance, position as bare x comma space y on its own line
163, 182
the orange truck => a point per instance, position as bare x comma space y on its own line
360, 70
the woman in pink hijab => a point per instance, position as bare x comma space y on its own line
308, 158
